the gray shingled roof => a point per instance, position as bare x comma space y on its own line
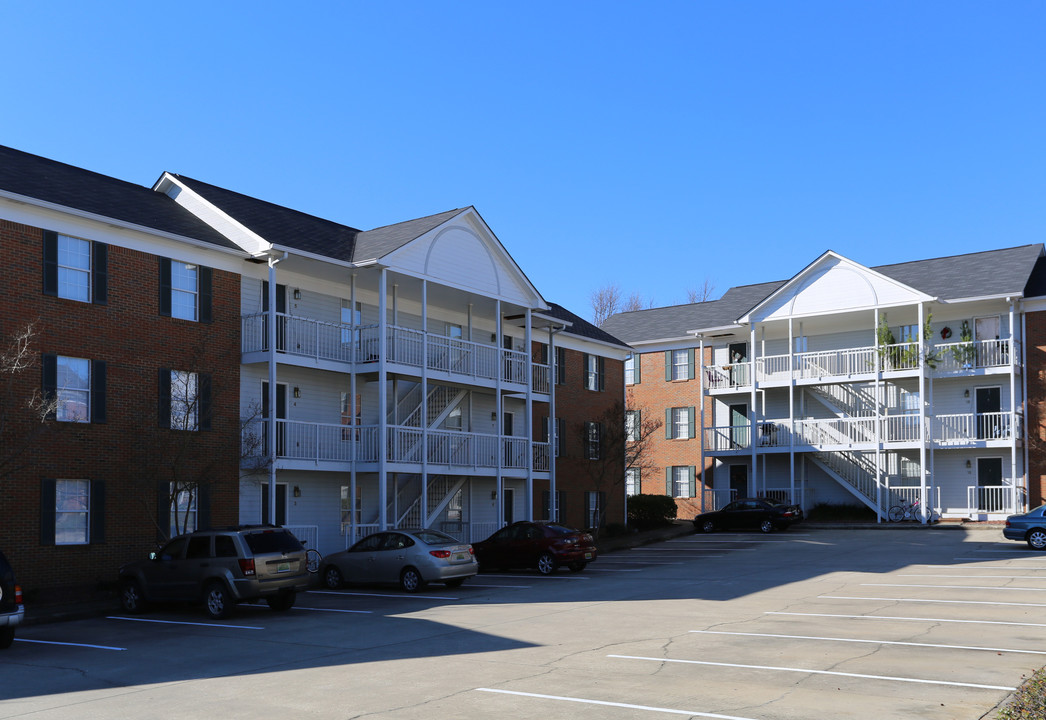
379, 242
580, 326
1009, 271
72, 187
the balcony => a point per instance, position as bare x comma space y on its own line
338, 346
973, 428
316, 443
862, 363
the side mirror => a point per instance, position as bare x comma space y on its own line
154, 556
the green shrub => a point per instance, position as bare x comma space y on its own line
650, 511
615, 530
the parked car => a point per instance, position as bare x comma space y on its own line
542, 545
1030, 527
11, 610
766, 514
411, 558
219, 568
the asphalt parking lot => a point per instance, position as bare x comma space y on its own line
807, 623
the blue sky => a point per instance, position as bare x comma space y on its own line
649, 145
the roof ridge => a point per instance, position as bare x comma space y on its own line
423, 217
957, 255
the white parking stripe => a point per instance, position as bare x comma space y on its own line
976, 577
337, 610
818, 672
472, 585
670, 711
916, 619
175, 622
1008, 567
70, 644
638, 562
620, 569
403, 595
873, 642
924, 600
956, 587
528, 578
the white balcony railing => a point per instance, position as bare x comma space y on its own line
1002, 499
971, 427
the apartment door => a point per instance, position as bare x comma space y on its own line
737, 358
738, 481
281, 319
281, 414
989, 421
989, 485
281, 503
739, 426
508, 502
986, 332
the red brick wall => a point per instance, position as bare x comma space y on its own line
1036, 407
134, 341
576, 405
653, 396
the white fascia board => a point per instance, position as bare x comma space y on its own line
207, 212
457, 286
588, 345
722, 330
37, 219
320, 258
982, 298
1035, 304
566, 324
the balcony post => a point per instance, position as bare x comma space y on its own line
700, 394
753, 482
529, 426
424, 403
383, 399
271, 429
924, 497
499, 503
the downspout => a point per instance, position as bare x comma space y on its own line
271, 340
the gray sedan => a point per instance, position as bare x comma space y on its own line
1030, 527
411, 558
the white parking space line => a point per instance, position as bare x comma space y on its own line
818, 672
638, 562
175, 622
915, 619
976, 577
620, 569
732, 540
955, 587
925, 600
670, 711
474, 585
405, 596
335, 610
873, 642
69, 644
1008, 567
528, 578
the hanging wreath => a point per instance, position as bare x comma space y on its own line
946, 332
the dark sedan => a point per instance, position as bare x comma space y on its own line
542, 545
766, 514
1030, 527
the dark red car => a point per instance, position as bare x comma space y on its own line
541, 545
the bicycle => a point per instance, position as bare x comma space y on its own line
313, 559
910, 511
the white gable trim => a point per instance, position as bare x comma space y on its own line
209, 213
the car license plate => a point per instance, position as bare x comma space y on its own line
588, 556
283, 567
459, 557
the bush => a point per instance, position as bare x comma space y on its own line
650, 511
825, 512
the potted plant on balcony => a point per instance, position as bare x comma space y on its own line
964, 351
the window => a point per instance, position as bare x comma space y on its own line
594, 372
632, 425
593, 440
350, 509
184, 400
183, 510
632, 363
800, 344
77, 387
679, 364
909, 333
551, 513
73, 390
679, 423
680, 480
350, 316
185, 290
633, 481
72, 512
75, 269
595, 509
454, 419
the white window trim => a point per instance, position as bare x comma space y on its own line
66, 268
63, 392
193, 294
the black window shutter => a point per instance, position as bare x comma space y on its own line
47, 500
206, 293
99, 273
49, 384
584, 370
165, 287
97, 511
668, 424
98, 391
546, 496
690, 364
204, 400
203, 506
602, 373
561, 365
692, 477
668, 482
637, 363
668, 365
50, 262
599, 441
545, 429
163, 398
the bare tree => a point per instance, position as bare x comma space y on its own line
24, 413
635, 302
605, 302
616, 442
701, 294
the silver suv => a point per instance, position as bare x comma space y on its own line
219, 568
11, 610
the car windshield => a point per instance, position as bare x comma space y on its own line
270, 541
434, 537
561, 529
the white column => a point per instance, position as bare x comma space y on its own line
701, 395
498, 428
529, 511
925, 499
271, 429
424, 403
383, 399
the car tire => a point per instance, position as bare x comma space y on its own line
332, 577
767, 526
411, 580
456, 582
7, 636
131, 599
577, 567
1036, 539
707, 526
283, 601
217, 600
546, 564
